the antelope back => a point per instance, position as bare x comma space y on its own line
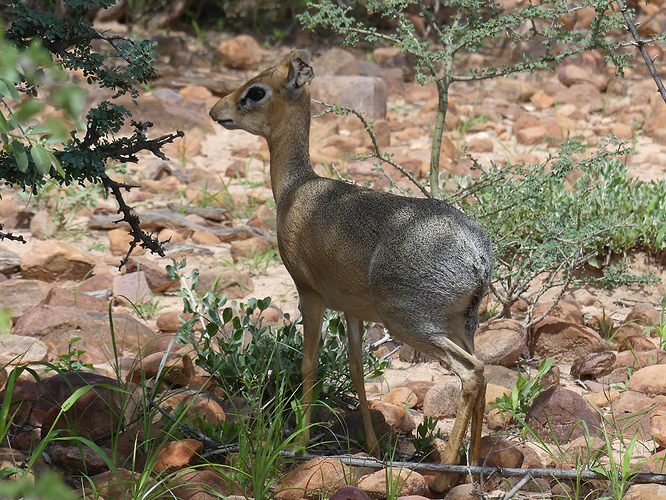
270, 99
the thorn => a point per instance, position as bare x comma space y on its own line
638, 24
655, 58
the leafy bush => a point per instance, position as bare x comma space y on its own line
560, 219
426, 433
239, 351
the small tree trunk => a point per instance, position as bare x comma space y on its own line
437, 133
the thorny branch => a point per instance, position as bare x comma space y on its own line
531, 473
189, 430
140, 237
583, 474
124, 150
10, 236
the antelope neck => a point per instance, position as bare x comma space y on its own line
289, 146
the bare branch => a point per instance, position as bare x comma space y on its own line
11, 236
576, 474
640, 43
331, 108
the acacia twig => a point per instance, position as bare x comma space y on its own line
377, 153
11, 236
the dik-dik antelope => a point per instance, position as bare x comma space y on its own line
418, 266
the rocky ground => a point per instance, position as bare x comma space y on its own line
213, 201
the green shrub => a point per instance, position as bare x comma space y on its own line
545, 225
240, 352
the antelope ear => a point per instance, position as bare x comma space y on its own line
300, 72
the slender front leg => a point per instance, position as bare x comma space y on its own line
312, 309
358, 379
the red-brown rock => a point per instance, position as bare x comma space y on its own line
649, 380
566, 341
403, 397
241, 52
395, 416
639, 359
558, 412
132, 288
94, 414
646, 491
350, 493
55, 326
441, 401
63, 297
406, 481
571, 74
233, 284
264, 218
157, 278
500, 342
81, 459
244, 249
203, 484
336, 61
317, 478
658, 427
53, 260
176, 455
18, 296
176, 369
593, 365
500, 452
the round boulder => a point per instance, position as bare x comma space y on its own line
649, 380
568, 342
53, 260
594, 365
500, 342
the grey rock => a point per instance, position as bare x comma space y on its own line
362, 93
9, 262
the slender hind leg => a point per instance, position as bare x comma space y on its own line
477, 424
356, 369
471, 406
312, 309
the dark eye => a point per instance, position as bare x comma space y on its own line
256, 94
